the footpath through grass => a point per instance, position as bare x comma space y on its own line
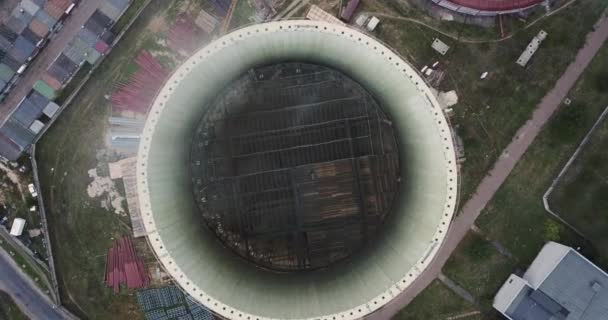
490, 111
516, 219
8, 308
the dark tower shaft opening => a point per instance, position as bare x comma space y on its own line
294, 166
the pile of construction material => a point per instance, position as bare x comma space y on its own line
124, 267
139, 92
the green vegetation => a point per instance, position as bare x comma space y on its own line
490, 111
243, 14
479, 268
581, 196
8, 308
437, 302
80, 230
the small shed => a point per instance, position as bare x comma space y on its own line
349, 10
37, 126
17, 228
372, 24
440, 46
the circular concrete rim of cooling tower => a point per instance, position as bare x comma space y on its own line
233, 288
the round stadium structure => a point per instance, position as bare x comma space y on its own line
296, 170
487, 7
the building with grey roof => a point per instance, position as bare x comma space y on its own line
561, 284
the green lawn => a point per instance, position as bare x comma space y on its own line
516, 217
80, 230
489, 112
479, 268
8, 308
581, 197
437, 302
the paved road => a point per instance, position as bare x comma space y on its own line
28, 297
70, 28
502, 168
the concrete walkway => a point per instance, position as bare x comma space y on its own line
41, 63
502, 168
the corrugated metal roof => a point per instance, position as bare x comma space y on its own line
29, 7
24, 45
45, 18
52, 82
119, 4
94, 27
57, 72
102, 19
26, 113
74, 54
30, 36
19, 134
101, 47
11, 63
88, 37
18, 56
8, 33
53, 10
37, 99
39, 28
66, 63
37, 126
577, 293
24, 16
16, 25
108, 37
5, 45
8, 148
51, 109
39, 3
109, 10
6, 73
44, 89
93, 56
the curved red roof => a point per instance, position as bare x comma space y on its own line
496, 5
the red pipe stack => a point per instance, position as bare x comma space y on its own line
124, 267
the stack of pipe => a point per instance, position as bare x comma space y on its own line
124, 267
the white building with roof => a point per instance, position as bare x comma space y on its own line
561, 284
17, 228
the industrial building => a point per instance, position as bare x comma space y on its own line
561, 284
487, 7
296, 170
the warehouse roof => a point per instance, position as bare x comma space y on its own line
549, 291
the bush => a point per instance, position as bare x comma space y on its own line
552, 230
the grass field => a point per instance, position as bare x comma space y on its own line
479, 268
489, 112
437, 302
515, 217
80, 230
8, 308
581, 197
